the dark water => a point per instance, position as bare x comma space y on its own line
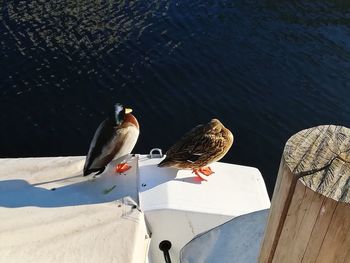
267, 69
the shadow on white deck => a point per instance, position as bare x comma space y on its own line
50, 213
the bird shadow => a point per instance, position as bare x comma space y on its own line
152, 176
74, 189
191, 180
20, 193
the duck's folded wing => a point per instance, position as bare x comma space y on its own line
97, 154
199, 148
195, 145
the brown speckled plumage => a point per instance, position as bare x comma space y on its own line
201, 146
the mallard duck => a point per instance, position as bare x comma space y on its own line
115, 137
201, 146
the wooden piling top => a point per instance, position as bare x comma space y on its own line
320, 158
310, 208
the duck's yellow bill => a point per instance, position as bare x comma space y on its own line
127, 110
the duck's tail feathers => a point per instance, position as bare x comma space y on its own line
164, 163
93, 170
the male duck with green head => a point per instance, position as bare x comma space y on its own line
115, 137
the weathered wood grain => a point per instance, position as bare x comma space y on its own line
320, 157
309, 219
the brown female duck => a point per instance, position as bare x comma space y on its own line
201, 146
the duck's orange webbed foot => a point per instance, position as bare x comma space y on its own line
122, 167
199, 177
206, 170
202, 171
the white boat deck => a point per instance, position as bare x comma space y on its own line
175, 202
50, 213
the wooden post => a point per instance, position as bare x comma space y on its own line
309, 219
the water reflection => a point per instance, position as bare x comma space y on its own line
266, 69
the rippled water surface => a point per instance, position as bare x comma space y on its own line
267, 69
